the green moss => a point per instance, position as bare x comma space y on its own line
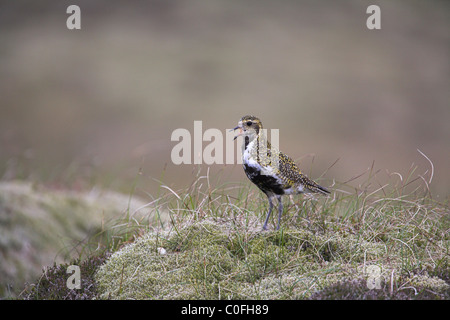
413, 288
205, 260
426, 282
139, 271
196, 235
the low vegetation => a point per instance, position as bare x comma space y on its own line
372, 241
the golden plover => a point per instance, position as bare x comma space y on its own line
271, 170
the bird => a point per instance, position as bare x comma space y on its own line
272, 171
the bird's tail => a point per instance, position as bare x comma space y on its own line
319, 189
313, 187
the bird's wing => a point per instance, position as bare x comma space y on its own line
294, 176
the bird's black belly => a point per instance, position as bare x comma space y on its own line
265, 182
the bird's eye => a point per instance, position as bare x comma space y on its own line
249, 123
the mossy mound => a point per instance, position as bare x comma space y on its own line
215, 259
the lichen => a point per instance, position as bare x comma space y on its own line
431, 283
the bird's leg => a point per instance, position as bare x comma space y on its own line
270, 211
280, 210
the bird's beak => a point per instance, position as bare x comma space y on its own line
240, 131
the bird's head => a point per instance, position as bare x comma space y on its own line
248, 126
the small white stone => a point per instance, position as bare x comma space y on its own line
161, 251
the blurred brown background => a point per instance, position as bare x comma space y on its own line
97, 106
